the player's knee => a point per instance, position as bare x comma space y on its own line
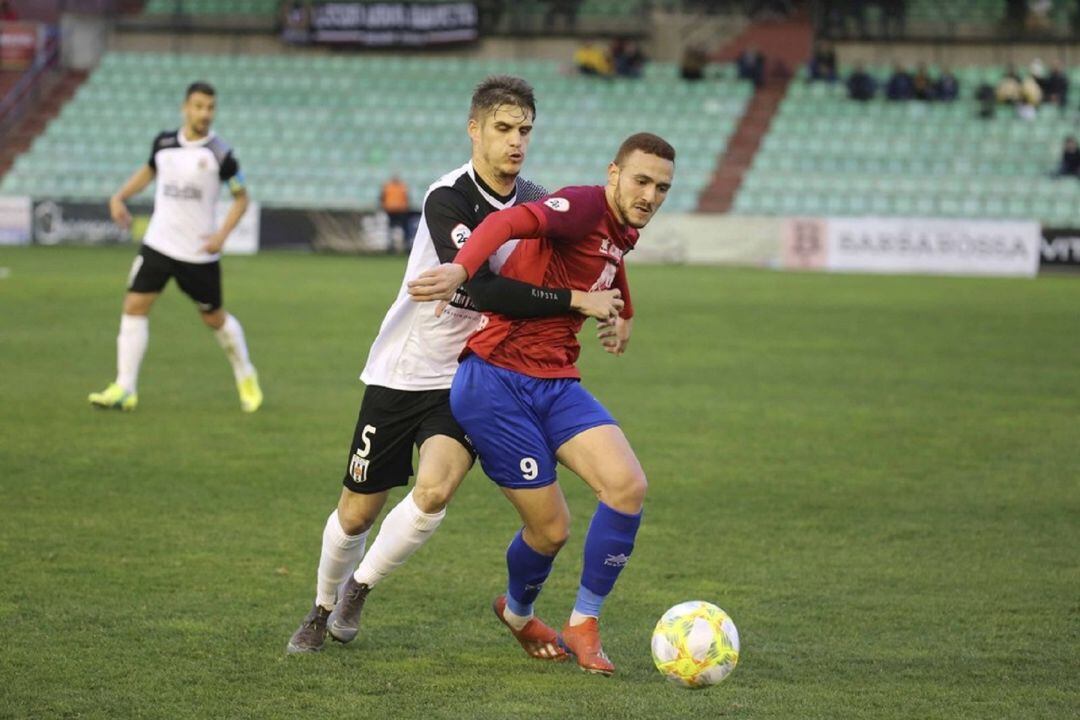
548, 538
213, 319
355, 517
626, 493
432, 496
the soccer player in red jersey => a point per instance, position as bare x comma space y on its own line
517, 392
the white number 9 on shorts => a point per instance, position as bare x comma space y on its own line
529, 468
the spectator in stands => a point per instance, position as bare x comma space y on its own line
692, 65
823, 63
947, 87
1055, 87
751, 66
901, 85
1070, 158
987, 99
1030, 97
861, 85
922, 84
394, 200
7, 11
592, 59
1008, 88
629, 60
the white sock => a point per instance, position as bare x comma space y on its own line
514, 620
404, 530
130, 347
577, 618
230, 337
340, 553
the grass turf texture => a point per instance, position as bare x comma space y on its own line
876, 477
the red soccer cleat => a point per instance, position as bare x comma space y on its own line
537, 639
583, 641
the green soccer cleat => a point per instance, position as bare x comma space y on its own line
114, 397
251, 396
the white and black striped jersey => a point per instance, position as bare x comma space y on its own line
189, 177
416, 350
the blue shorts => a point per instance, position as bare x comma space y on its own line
517, 422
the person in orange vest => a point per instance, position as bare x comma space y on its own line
394, 200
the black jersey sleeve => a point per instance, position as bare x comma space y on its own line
155, 146
450, 221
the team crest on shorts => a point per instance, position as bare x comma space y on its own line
358, 468
558, 204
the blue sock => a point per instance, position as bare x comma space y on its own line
608, 546
528, 570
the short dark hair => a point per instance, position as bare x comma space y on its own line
498, 90
200, 86
646, 143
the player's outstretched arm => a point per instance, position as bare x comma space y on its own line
134, 185
440, 283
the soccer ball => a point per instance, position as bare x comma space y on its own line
695, 644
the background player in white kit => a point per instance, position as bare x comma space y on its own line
181, 242
412, 363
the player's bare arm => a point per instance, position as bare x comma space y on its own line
215, 241
134, 185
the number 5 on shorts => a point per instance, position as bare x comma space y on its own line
529, 468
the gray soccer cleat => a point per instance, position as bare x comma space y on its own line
344, 621
311, 634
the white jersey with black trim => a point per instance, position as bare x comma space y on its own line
189, 178
415, 350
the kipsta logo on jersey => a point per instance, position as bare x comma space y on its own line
460, 234
558, 204
203, 164
358, 468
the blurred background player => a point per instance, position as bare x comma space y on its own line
190, 165
518, 393
412, 363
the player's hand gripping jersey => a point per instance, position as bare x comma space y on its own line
580, 245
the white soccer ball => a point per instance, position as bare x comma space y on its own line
695, 644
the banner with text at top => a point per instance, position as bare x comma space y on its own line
912, 245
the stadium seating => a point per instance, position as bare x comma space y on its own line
826, 154
327, 130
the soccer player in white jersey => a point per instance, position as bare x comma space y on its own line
181, 242
410, 368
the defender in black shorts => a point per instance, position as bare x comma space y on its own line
390, 423
190, 164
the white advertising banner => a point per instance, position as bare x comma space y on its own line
710, 239
913, 245
16, 220
244, 239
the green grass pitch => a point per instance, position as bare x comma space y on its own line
877, 477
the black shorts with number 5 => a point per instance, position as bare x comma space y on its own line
390, 423
201, 282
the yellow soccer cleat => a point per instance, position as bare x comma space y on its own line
114, 397
251, 396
